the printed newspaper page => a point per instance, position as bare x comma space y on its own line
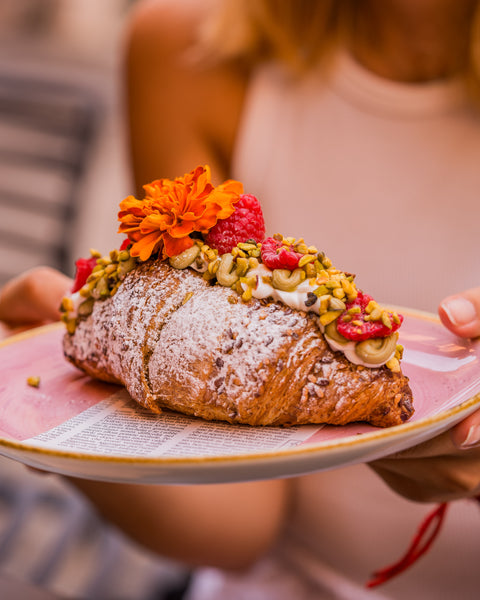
119, 427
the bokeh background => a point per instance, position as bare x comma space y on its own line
62, 148
63, 171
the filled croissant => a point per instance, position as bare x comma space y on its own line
225, 324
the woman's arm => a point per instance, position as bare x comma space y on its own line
181, 112
32, 299
223, 525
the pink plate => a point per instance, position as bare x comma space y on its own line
74, 425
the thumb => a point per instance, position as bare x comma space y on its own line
461, 313
33, 297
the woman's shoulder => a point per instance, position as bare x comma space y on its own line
190, 104
163, 26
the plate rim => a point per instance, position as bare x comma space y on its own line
300, 450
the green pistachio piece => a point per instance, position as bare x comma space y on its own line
226, 274
377, 351
185, 258
287, 281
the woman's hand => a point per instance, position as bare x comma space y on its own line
436, 471
31, 299
461, 313
447, 467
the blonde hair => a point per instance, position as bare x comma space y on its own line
299, 33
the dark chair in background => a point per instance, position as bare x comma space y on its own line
47, 129
50, 538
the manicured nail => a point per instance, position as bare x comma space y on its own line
460, 311
473, 437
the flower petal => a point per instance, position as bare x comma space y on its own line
147, 245
174, 246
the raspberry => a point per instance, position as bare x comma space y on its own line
276, 255
357, 329
246, 223
125, 244
84, 268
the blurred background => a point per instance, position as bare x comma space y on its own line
63, 171
62, 152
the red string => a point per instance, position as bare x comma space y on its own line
421, 543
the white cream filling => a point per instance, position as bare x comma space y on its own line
76, 301
295, 299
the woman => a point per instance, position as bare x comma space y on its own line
356, 126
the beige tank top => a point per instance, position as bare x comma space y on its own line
384, 177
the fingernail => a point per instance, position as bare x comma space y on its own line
460, 311
473, 437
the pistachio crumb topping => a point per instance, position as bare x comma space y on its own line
103, 282
313, 285
393, 364
33, 381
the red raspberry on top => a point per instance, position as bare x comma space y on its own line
278, 254
125, 244
246, 223
353, 326
84, 267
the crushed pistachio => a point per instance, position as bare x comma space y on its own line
329, 317
242, 266
310, 270
33, 381
338, 293
188, 295
331, 288
66, 304
393, 364
103, 282
386, 320
247, 294
213, 267
306, 259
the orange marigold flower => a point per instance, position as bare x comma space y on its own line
173, 209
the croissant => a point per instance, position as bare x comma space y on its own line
177, 342
213, 335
